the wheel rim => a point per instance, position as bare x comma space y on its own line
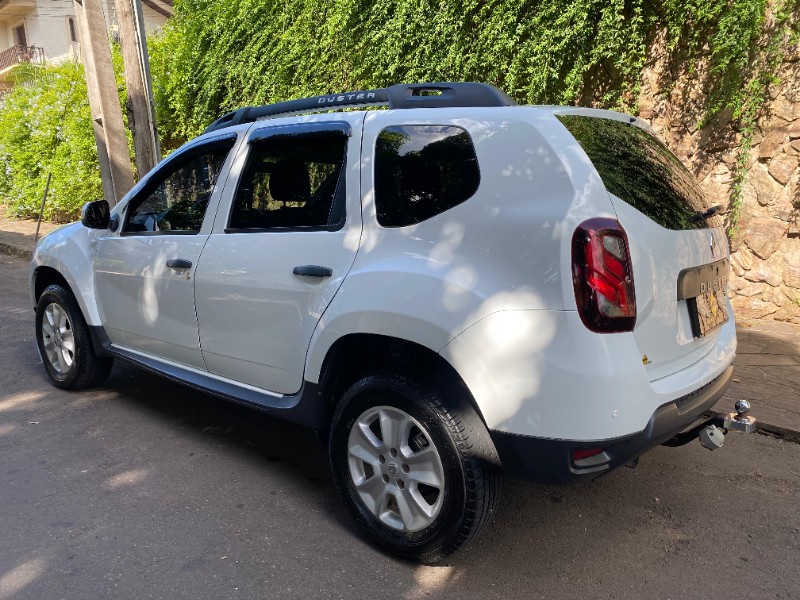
58, 338
395, 468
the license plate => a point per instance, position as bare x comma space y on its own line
708, 311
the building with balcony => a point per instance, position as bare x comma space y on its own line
35, 31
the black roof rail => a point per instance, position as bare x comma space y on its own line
417, 95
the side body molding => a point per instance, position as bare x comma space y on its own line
306, 407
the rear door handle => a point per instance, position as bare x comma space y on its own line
312, 271
179, 263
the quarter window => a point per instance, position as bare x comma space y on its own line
292, 182
177, 201
422, 171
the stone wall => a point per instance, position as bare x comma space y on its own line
766, 246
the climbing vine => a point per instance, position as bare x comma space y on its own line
215, 55
220, 55
748, 105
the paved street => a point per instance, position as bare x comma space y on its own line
145, 489
768, 375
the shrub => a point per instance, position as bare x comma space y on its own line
46, 125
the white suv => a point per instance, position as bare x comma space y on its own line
444, 288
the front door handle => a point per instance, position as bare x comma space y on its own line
312, 271
179, 263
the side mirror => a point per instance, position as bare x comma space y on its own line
95, 215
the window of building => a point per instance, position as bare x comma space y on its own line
422, 171
20, 38
73, 30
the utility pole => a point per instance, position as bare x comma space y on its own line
141, 119
148, 80
109, 131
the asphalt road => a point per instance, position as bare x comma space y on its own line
145, 489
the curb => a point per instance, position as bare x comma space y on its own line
782, 433
15, 251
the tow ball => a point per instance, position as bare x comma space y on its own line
711, 432
739, 421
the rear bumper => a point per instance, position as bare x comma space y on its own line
550, 461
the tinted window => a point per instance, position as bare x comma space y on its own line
421, 171
292, 182
639, 169
176, 201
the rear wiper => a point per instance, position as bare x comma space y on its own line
703, 215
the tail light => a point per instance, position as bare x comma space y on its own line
602, 276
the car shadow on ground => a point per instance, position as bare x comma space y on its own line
296, 451
579, 536
298, 454
628, 533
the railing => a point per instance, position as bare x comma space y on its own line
21, 54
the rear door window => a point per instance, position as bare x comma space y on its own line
637, 168
292, 182
422, 171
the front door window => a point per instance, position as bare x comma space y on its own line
177, 201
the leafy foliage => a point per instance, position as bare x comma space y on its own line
215, 55
45, 123
46, 126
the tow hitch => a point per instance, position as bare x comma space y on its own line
739, 421
711, 432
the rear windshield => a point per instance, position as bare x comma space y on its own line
639, 169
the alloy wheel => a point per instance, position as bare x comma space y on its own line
395, 468
58, 338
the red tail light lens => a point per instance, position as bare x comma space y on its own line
602, 276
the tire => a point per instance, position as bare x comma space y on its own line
423, 521
64, 343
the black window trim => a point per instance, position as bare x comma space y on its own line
296, 131
332, 128
154, 178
